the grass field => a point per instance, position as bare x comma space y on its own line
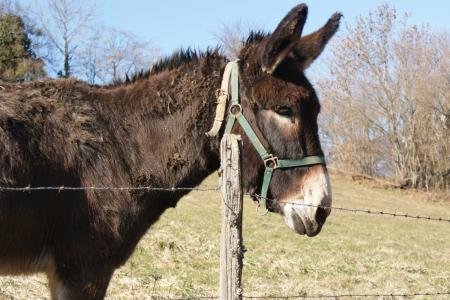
355, 253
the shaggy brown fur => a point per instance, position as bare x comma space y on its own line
150, 131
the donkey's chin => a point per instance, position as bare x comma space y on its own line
306, 210
297, 221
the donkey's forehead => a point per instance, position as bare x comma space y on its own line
275, 91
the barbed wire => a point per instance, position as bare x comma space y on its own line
188, 298
360, 210
336, 296
406, 295
215, 189
106, 188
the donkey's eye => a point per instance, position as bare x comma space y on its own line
284, 111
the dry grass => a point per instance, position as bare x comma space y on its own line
355, 253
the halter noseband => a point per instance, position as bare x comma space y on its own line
270, 161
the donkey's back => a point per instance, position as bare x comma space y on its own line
47, 127
51, 134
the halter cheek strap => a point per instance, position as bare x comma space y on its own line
270, 161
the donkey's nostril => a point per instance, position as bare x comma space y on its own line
321, 215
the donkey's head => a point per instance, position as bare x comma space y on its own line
282, 108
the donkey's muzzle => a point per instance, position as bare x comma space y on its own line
307, 210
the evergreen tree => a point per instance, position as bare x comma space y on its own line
18, 61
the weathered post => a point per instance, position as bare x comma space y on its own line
231, 238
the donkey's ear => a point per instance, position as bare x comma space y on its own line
284, 38
310, 46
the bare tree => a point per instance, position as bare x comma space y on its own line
387, 100
64, 21
90, 58
231, 37
123, 54
7, 6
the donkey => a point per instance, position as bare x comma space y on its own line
150, 131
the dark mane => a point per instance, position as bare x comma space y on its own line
184, 56
255, 37
177, 59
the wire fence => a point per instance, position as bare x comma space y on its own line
366, 211
105, 188
319, 296
217, 189
303, 296
336, 296
60, 189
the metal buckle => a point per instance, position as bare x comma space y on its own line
271, 162
235, 109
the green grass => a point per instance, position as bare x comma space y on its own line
354, 253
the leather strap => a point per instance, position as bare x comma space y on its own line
222, 98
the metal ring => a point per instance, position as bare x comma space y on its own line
235, 109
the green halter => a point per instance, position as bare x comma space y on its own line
271, 162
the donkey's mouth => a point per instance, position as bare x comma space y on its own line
297, 221
311, 229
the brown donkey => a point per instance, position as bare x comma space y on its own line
149, 132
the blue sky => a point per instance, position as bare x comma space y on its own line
171, 24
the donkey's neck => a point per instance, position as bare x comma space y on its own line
166, 117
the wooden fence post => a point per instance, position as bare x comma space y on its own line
231, 238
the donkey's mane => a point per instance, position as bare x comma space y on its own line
255, 36
173, 61
185, 56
